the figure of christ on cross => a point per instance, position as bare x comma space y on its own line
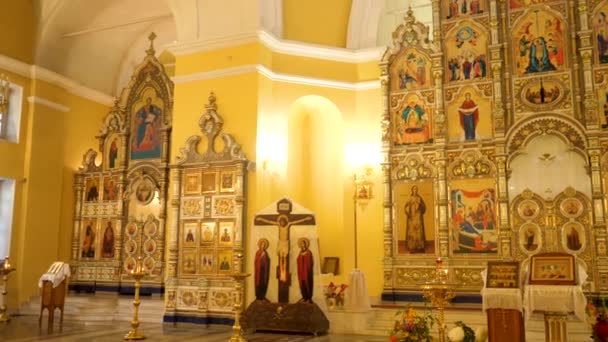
284, 220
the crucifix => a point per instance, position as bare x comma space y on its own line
284, 220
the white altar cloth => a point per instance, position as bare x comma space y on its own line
508, 299
56, 274
555, 298
357, 297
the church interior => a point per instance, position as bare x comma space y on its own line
401, 170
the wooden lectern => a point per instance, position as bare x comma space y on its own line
54, 286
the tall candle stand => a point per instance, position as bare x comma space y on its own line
239, 278
439, 291
137, 273
4, 271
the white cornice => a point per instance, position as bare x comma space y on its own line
54, 105
279, 46
35, 72
186, 48
319, 52
218, 73
317, 82
286, 78
70, 85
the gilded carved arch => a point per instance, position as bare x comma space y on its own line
470, 164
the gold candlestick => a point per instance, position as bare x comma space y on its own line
439, 292
4, 271
239, 278
137, 274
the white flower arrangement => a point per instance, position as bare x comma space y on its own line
481, 334
456, 334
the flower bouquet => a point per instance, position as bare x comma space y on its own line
461, 333
334, 295
411, 327
598, 319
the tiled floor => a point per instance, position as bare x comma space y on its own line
25, 328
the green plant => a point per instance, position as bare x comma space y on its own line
411, 327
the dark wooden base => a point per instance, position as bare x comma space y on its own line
262, 315
505, 325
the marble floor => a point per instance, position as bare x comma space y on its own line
25, 328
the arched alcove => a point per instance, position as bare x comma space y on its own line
546, 166
315, 177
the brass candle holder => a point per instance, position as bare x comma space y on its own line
4, 271
137, 273
439, 291
239, 278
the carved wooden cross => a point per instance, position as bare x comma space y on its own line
284, 220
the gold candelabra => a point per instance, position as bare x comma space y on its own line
239, 278
439, 291
4, 271
137, 273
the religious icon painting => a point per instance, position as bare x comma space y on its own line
571, 207
146, 125
469, 116
150, 228
466, 52
129, 264
223, 206
528, 209
414, 213
227, 180
473, 218
91, 189
112, 148
539, 43
530, 237
144, 192
108, 238
600, 32
189, 261
537, 94
412, 122
602, 96
209, 182
131, 229
110, 189
88, 238
189, 234
207, 233
150, 246
226, 233
516, 4
411, 70
192, 183
225, 261
456, 9
130, 247
573, 237
208, 262
149, 264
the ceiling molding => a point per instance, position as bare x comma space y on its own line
317, 82
279, 46
319, 52
42, 101
187, 48
35, 72
277, 77
39, 73
219, 73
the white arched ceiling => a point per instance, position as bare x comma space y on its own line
98, 43
372, 22
94, 42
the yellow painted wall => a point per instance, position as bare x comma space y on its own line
316, 21
18, 18
50, 149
